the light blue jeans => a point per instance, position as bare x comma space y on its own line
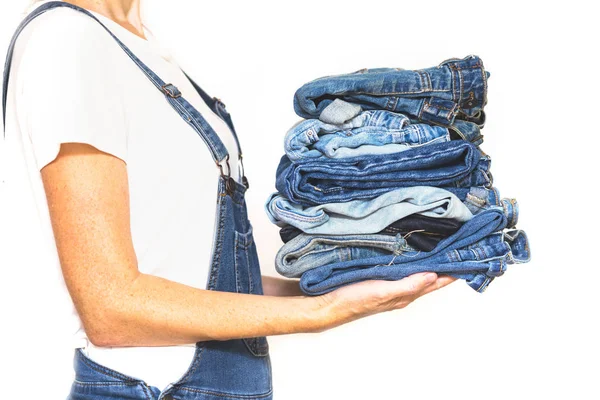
306, 252
340, 111
369, 215
369, 132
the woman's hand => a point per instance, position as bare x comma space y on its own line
361, 299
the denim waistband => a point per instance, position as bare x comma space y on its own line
437, 95
369, 132
479, 199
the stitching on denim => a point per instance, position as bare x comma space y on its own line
250, 282
237, 396
281, 211
395, 93
423, 106
146, 391
485, 282
396, 102
454, 85
429, 84
252, 343
195, 124
461, 80
333, 189
218, 246
514, 211
485, 86
442, 108
484, 252
236, 264
450, 255
305, 249
197, 358
104, 370
81, 383
479, 253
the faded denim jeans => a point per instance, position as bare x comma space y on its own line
368, 215
456, 89
477, 253
369, 132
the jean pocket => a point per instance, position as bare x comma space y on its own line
248, 280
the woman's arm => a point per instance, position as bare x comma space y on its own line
88, 198
274, 286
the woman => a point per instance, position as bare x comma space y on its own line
125, 192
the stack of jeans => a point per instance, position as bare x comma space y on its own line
384, 177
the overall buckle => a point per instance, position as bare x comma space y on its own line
171, 90
229, 181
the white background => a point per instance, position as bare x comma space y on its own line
533, 333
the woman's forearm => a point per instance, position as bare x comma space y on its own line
274, 286
153, 311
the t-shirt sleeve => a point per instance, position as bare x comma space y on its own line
69, 90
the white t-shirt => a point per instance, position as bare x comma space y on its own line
71, 82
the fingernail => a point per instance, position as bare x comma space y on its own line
430, 277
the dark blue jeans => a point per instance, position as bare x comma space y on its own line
455, 164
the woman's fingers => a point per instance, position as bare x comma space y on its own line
374, 296
400, 293
417, 286
441, 282
410, 285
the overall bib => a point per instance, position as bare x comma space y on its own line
220, 370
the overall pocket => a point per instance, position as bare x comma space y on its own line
248, 280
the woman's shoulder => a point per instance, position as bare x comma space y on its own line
63, 36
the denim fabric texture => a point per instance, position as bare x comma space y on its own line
369, 215
454, 164
454, 89
478, 253
370, 132
340, 111
343, 191
421, 232
306, 252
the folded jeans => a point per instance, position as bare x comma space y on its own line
306, 252
451, 165
370, 132
454, 89
366, 215
421, 232
477, 264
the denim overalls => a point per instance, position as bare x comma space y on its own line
233, 369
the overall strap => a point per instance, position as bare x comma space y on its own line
218, 108
171, 93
